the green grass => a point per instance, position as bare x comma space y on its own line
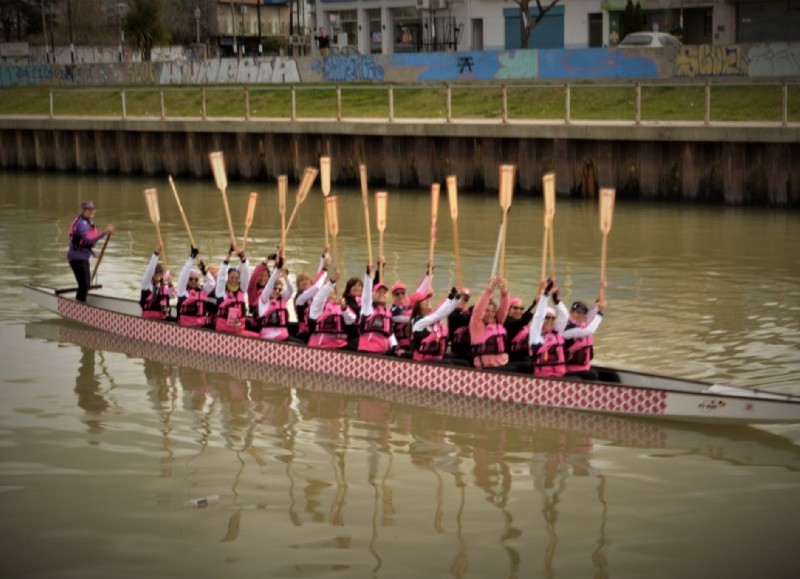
588, 101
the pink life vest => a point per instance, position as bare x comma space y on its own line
231, 312
274, 322
375, 330
431, 343
329, 328
519, 343
578, 353
402, 330
155, 304
548, 357
191, 309
492, 344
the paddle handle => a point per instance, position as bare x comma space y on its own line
100, 257
248, 220
545, 242
282, 187
460, 284
367, 227
552, 246
180, 208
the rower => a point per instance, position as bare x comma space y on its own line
579, 338
157, 289
375, 320
193, 302
328, 318
231, 304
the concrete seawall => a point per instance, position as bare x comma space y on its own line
741, 164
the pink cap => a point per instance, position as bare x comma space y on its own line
398, 286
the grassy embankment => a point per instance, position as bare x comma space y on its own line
752, 103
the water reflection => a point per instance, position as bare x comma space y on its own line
90, 396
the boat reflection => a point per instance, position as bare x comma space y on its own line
462, 446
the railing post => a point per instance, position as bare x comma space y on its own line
124, 107
203, 104
391, 103
163, 108
504, 112
567, 99
52, 103
294, 104
638, 104
707, 105
785, 113
338, 103
247, 103
449, 102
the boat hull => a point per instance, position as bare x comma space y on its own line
646, 396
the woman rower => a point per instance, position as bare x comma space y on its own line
428, 334
231, 302
458, 327
157, 290
401, 309
329, 318
375, 320
579, 338
192, 294
518, 325
273, 315
306, 290
487, 333
546, 340
353, 290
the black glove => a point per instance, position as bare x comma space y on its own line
279, 263
453, 293
202, 267
194, 252
272, 257
556, 298
241, 256
548, 287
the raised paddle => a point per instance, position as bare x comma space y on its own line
283, 183
332, 219
217, 162
434, 216
100, 257
452, 197
325, 184
607, 195
248, 220
362, 169
151, 199
381, 200
180, 208
309, 176
506, 193
549, 193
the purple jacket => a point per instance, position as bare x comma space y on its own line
83, 235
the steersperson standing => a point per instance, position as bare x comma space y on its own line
83, 236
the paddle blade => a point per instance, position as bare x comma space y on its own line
325, 175
251, 209
434, 202
549, 189
309, 176
381, 200
283, 185
452, 196
151, 199
506, 189
607, 195
217, 162
362, 172
332, 214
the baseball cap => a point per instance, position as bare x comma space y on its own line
87, 205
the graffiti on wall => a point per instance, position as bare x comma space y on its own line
776, 59
709, 60
274, 70
596, 63
350, 68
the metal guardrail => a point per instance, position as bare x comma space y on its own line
286, 101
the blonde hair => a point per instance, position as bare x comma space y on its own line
301, 277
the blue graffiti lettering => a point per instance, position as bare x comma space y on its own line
349, 68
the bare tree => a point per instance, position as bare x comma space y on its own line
526, 23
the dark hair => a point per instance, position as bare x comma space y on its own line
350, 283
580, 308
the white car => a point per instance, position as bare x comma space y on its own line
649, 39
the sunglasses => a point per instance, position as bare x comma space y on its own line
399, 293
194, 279
517, 308
549, 317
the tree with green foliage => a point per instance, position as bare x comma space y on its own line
632, 19
526, 23
143, 26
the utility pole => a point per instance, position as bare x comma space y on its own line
69, 23
44, 30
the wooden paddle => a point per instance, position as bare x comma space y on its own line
100, 258
452, 196
217, 162
434, 216
325, 183
362, 169
309, 176
248, 220
549, 193
506, 192
151, 199
607, 195
283, 183
332, 219
180, 208
381, 200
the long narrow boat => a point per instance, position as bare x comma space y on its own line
620, 392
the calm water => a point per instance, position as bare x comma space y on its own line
103, 441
